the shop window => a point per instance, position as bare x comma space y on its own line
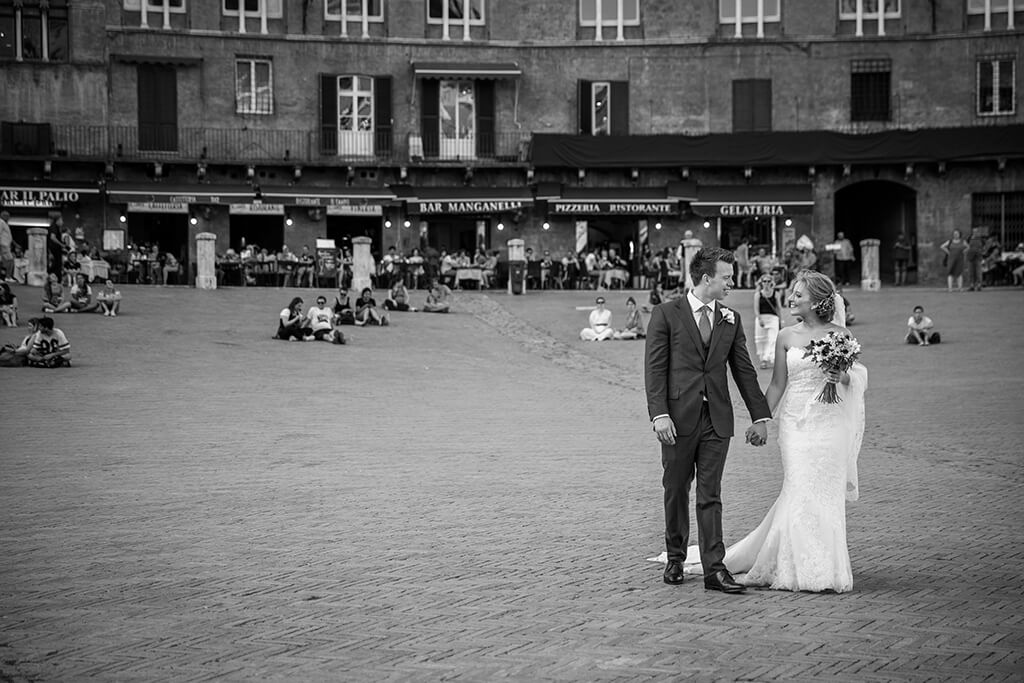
355, 115
1002, 213
254, 86
870, 82
996, 86
751, 105
34, 31
603, 107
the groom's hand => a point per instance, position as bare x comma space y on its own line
757, 434
665, 428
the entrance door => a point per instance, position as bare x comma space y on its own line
158, 107
620, 234
879, 209
265, 232
342, 229
453, 234
169, 231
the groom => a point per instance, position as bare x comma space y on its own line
690, 341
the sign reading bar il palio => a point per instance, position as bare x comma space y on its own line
39, 199
641, 208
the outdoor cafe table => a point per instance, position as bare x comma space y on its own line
469, 274
94, 269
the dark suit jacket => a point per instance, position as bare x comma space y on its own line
677, 373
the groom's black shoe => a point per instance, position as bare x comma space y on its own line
722, 581
674, 573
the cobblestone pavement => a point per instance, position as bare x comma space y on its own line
471, 497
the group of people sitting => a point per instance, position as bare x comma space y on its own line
79, 298
600, 323
45, 347
322, 322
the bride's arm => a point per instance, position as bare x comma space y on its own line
780, 375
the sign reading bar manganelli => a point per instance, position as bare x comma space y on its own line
652, 207
157, 207
37, 199
467, 206
259, 209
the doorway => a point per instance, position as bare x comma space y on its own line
454, 234
265, 232
621, 234
342, 229
879, 209
169, 231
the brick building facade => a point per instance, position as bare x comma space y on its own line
421, 122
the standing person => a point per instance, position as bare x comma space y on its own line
955, 249
767, 314
690, 343
293, 323
975, 259
55, 247
744, 265
900, 259
6, 245
600, 323
844, 259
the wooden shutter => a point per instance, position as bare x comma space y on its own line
584, 102
620, 108
752, 104
762, 104
328, 114
382, 116
430, 116
485, 142
157, 107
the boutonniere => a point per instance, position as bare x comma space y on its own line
727, 315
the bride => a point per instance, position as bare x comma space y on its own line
801, 543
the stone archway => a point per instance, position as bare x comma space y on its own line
879, 209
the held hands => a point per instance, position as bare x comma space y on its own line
757, 434
665, 429
836, 376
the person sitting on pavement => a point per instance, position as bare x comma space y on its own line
366, 310
50, 348
656, 296
293, 323
321, 321
8, 306
343, 313
53, 293
634, 323
398, 298
920, 329
438, 298
12, 356
600, 323
109, 299
81, 300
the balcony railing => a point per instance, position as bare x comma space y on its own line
224, 145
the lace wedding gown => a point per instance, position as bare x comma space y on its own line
801, 543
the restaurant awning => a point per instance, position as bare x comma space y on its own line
637, 201
466, 200
37, 195
124, 193
481, 70
295, 195
753, 200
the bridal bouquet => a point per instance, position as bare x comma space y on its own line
834, 351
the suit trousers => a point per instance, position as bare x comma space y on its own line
699, 455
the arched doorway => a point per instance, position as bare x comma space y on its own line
879, 209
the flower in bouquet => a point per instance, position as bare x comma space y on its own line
834, 351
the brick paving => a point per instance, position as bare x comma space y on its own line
471, 497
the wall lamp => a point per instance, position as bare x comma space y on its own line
201, 171
122, 218
748, 172
192, 219
529, 175
403, 172
847, 169
350, 175
501, 226
657, 226
406, 224
707, 225
250, 171
387, 223
581, 175
546, 225
297, 173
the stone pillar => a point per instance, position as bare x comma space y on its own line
362, 263
36, 257
516, 254
691, 245
869, 281
206, 260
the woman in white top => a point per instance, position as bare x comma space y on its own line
600, 323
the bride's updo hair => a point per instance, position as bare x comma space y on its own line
821, 292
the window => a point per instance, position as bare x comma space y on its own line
1003, 213
751, 105
603, 107
34, 31
458, 119
869, 90
995, 86
995, 7
354, 10
355, 104
457, 12
254, 86
749, 11
252, 8
608, 11
157, 8
861, 10
355, 115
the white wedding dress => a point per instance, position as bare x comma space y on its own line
801, 543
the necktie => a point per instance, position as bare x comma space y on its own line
704, 325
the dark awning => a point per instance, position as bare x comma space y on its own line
777, 148
468, 200
637, 201
180, 194
483, 70
156, 59
315, 196
753, 200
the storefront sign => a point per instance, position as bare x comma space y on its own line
157, 207
466, 206
37, 199
751, 210
355, 210
256, 209
652, 207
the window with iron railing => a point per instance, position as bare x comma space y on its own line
254, 86
34, 31
1003, 213
996, 76
870, 85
